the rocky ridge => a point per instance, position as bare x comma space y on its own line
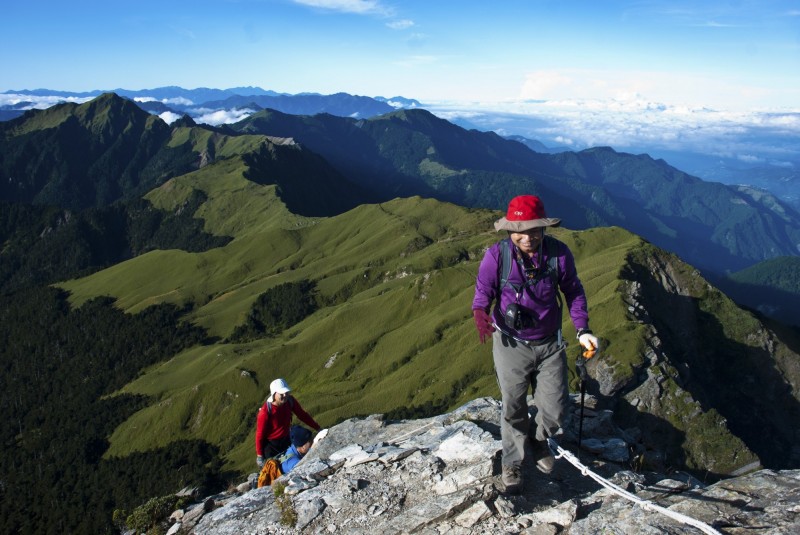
439, 475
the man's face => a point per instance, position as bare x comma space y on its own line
527, 241
304, 448
278, 399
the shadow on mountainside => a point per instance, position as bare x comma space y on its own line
305, 182
775, 303
741, 382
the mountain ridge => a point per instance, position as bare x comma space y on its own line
422, 154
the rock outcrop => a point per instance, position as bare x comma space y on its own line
439, 475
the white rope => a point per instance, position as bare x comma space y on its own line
560, 452
406, 436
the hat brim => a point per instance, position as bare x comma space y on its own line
520, 226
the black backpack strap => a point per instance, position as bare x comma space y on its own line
506, 261
551, 251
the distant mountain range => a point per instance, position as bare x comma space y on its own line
201, 102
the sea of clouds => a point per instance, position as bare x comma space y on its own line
755, 137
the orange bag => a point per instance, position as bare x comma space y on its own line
269, 473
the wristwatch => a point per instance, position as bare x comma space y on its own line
581, 332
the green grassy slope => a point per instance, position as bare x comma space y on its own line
397, 332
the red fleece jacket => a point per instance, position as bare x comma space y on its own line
273, 422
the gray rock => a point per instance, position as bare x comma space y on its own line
256, 507
764, 503
438, 476
308, 510
469, 476
562, 515
478, 512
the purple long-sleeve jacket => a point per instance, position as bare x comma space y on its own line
538, 301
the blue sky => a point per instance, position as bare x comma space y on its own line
654, 63
740, 54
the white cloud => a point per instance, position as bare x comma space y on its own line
561, 140
403, 24
360, 7
169, 117
459, 114
397, 104
749, 158
673, 88
215, 117
37, 102
181, 101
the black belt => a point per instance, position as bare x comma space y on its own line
531, 343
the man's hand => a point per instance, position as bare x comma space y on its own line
483, 324
322, 434
260, 461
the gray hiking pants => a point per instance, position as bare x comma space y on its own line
519, 366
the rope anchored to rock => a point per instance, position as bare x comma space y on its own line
559, 452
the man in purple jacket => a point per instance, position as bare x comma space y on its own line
525, 326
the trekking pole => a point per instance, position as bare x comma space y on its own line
580, 367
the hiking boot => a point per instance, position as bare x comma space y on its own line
545, 462
511, 479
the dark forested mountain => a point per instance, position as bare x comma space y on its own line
72, 177
536, 146
89, 155
772, 287
58, 366
108, 149
713, 226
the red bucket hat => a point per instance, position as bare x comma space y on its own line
525, 212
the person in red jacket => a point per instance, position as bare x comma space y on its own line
274, 421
